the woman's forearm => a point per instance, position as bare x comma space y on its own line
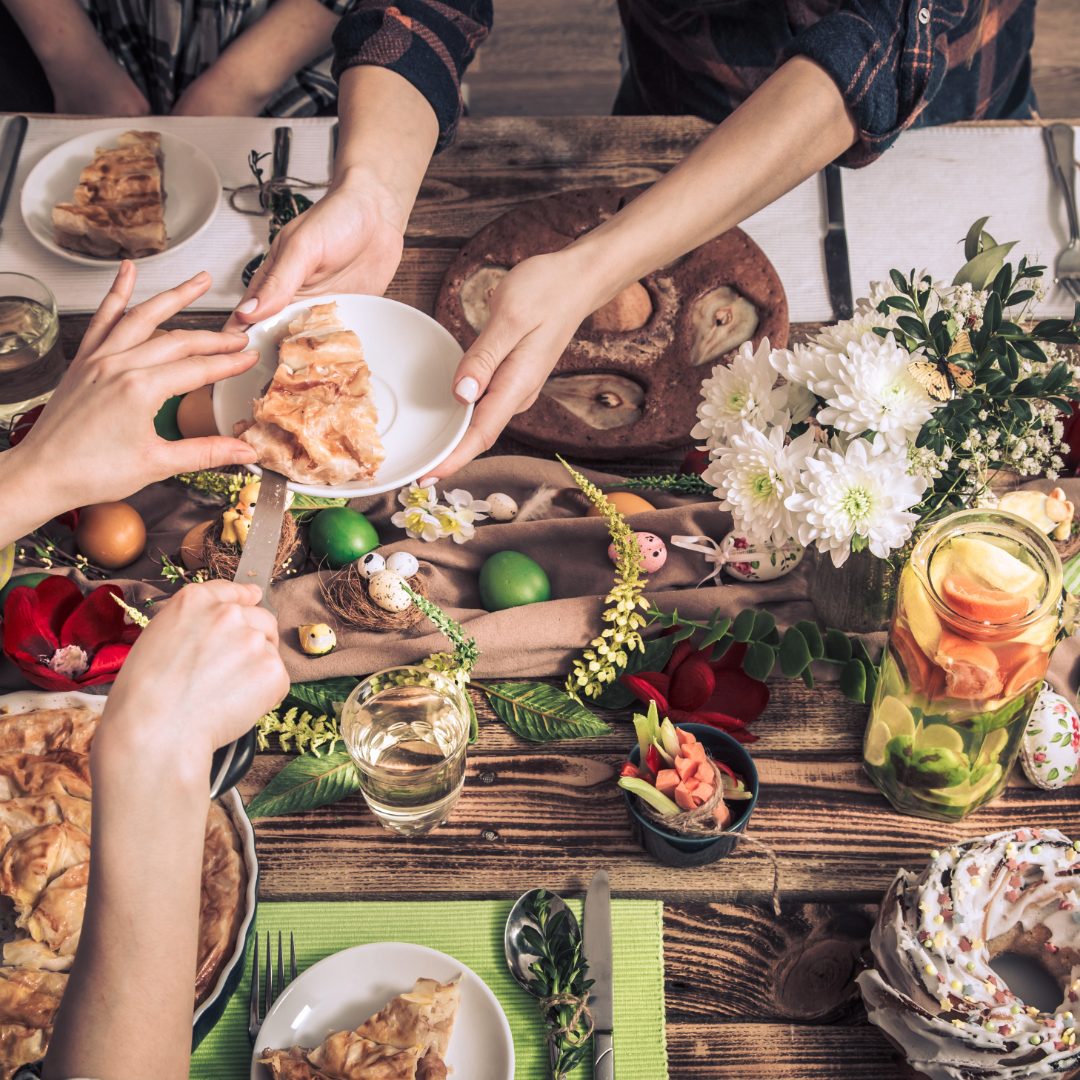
27, 494
387, 135
791, 127
60, 33
128, 1005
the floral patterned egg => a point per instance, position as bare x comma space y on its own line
653, 552
763, 562
1050, 751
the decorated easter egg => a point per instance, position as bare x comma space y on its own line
1050, 749
340, 535
316, 639
510, 579
763, 562
110, 534
502, 507
403, 563
387, 589
653, 552
626, 502
370, 564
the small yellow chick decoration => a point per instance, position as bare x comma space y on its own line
317, 639
236, 521
1052, 512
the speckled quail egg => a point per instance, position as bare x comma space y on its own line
387, 589
503, 508
370, 564
317, 639
1050, 749
653, 552
403, 563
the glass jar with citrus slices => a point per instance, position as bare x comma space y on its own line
978, 612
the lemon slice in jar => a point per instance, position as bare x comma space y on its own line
895, 717
993, 566
877, 738
940, 737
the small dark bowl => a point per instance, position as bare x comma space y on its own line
674, 850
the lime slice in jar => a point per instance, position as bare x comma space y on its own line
877, 738
941, 736
972, 791
992, 745
895, 716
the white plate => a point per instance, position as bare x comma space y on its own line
342, 991
192, 190
412, 360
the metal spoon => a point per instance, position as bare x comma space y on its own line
518, 955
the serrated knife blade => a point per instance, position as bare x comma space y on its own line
598, 956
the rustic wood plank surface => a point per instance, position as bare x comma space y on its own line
749, 994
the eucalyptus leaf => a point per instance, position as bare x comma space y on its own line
853, 680
837, 645
542, 713
759, 660
795, 657
742, 629
812, 634
305, 783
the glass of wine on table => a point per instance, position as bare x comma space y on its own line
31, 359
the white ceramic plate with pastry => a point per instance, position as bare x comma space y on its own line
192, 190
410, 364
343, 991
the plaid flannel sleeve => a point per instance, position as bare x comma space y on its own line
888, 58
428, 42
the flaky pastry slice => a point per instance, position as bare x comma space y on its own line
317, 423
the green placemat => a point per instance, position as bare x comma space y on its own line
470, 931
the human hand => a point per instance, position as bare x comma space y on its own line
535, 312
95, 440
350, 241
216, 93
200, 675
96, 86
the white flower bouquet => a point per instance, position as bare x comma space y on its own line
902, 413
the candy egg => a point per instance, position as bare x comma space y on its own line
403, 563
387, 589
626, 502
1050, 749
503, 508
370, 564
316, 639
653, 552
763, 561
110, 534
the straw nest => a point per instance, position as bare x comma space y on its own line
222, 558
346, 594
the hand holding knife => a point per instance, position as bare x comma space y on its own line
598, 956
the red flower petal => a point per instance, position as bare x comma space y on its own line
645, 692
732, 659
26, 628
720, 720
57, 597
105, 665
739, 695
692, 683
681, 651
98, 621
656, 679
42, 676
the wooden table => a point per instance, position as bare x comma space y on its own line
749, 994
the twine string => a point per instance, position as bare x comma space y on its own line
266, 189
577, 1030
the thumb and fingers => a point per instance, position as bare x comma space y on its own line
277, 281
110, 311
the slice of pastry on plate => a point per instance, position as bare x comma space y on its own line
317, 423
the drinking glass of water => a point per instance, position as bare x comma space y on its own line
406, 729
31, 360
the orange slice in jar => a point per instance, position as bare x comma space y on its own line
982, 603
1021, 664
922, 676
971, 669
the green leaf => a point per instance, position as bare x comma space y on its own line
812, 634
305, 783
742, 629
652, 658
303, 506
837, 646
764, 625
980, 270
972, 243
853, 680
795, 656
542, 713
324, 694
759, 660
717, 631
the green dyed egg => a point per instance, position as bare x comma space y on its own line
509, 579
165, 423
21, 579
339, 536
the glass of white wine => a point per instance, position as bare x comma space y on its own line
31, 359
406, 729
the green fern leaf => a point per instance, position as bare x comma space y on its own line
542, 713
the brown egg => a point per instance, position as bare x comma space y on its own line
195, 416
626, 502
111, 534
191, 547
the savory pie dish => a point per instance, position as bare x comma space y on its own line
406, 1040
118, 207
44, 867
317, 423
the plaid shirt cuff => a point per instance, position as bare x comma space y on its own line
425, 41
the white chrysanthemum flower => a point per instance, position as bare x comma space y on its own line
873, 390
415, 495
799, 403
806, 366
465, 507
866, 492
752, 476
418, 522
745, 390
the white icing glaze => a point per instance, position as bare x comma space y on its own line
933, 990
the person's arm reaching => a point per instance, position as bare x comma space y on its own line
289, 36
84, 77
199, 676
399, 68
95, 441
790, 128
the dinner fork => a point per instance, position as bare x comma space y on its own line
273, 981
1059, 144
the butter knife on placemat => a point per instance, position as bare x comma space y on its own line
598, 956
10, 149
837, 267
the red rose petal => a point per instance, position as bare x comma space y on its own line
26, 627
98, 621
57, 597
692, 683
681, 651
